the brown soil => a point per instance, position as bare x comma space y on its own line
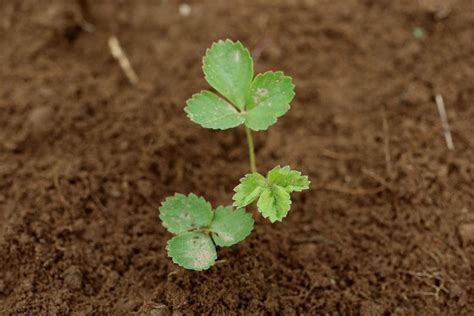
86, 159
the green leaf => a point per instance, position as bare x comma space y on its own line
193, 251
268, 99
272, 192
181, 213
249, 189
228, 68
290, 180
230, 226
274, 203
211, 111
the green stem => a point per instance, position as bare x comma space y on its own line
253, 166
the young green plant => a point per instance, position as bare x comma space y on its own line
256, 103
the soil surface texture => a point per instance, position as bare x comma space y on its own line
86, 158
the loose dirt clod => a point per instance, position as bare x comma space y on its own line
160, 310
466, 232
73, 278
41, 119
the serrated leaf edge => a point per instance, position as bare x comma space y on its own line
246, 51
177, 263
186, 196
240, 184
294, 170
284, 77
234, 210
275, 119
189, 115
276, 220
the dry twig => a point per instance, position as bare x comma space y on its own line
427, 278
118, 53
337, 156
444, 121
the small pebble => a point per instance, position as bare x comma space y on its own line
114, 192
466, 232
26, 285
184, 9
160, 310
79, 225
416, 93
40, 119
112, 280
73, 278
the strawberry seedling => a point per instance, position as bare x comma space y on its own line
256, 103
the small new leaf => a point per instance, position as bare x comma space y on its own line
228, 68
193, 251
274, 203
269, 98
272, 192
290, 180
249, 189
230, 226
181, 213
211, 111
